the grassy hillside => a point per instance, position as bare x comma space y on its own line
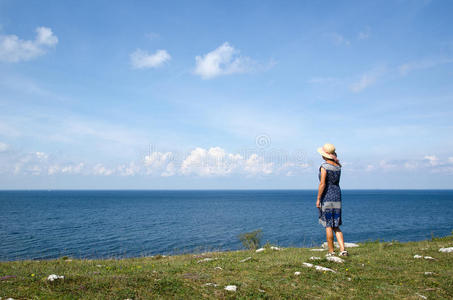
373, 270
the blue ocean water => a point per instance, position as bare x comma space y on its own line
100, 224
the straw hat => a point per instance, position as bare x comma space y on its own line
328, 151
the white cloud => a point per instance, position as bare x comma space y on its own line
3, 147
128, 169
411, 165
73, 169
141, 59
256, 165
370, 168
222, 61
214, 161
355, 83
367, 79
170, 170
406, 68
99, 169
363, 35
41, 155
65, 169
386, 165
287, 168
432, 160
46, 37
338, 39
210, 162
158, 162
13, 49
30, 163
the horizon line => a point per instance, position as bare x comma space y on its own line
236, 189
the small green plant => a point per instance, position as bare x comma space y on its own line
251, 240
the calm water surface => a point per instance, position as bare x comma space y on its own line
99, 224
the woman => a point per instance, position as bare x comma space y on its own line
329, 197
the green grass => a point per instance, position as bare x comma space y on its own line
374, 270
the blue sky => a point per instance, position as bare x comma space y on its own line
232, 94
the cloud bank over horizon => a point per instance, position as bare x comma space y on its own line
204, 163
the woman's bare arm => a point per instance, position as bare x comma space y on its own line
322, 185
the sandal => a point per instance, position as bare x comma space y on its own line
343, 253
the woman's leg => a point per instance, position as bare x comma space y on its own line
339, 236
329, 237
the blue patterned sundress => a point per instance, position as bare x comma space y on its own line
330, 211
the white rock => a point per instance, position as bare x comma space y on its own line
320, 268
335, 259
417, 256
429, 273
429, 257
260, 250
231, 288
275, 248
315, 258
210, 284
53, 277
446, 250
318, 249
218, 268
349, 279
206, 259
297, 273
99, 266
346, 245
246, 259
421, 296
261, 291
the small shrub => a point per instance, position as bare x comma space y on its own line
251, 240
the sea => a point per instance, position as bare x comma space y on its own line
136, 223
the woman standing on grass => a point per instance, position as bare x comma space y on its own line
329, 197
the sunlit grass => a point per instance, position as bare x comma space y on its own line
374, 270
